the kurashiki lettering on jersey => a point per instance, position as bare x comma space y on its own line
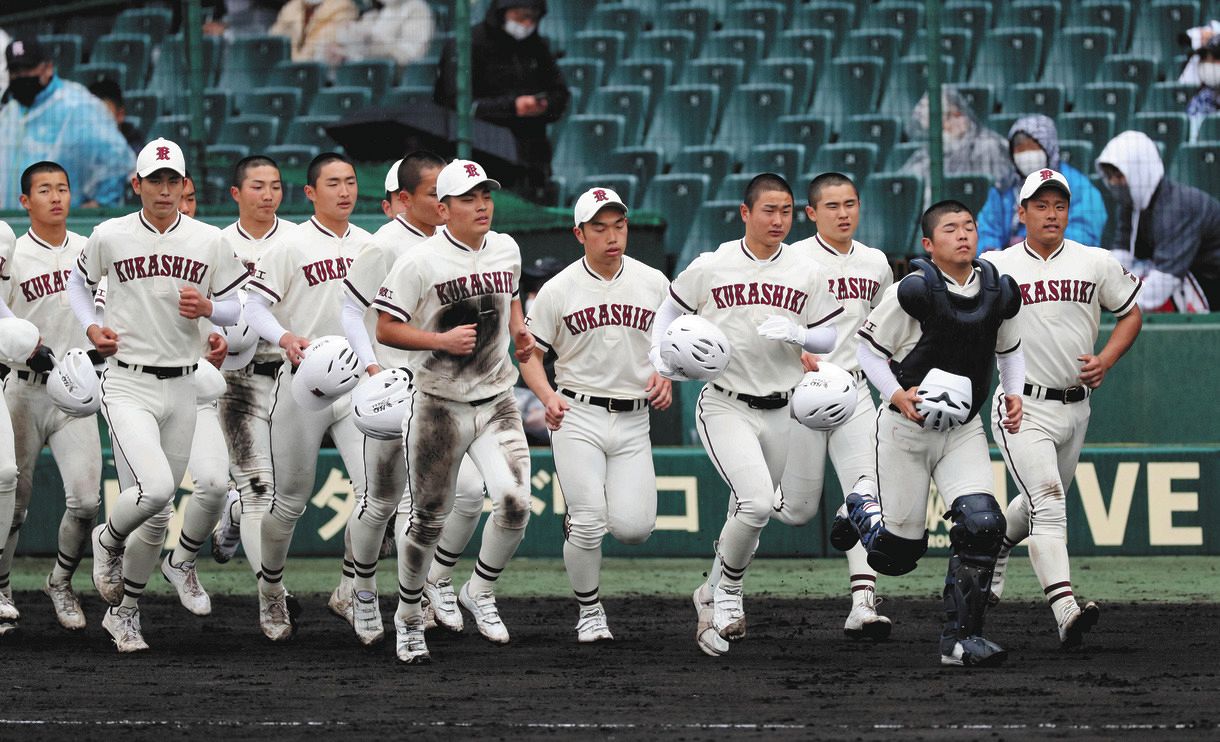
622, 315
475, 284
44, 285
329, 269
754, 292
1065, 289
853, 287
153, 266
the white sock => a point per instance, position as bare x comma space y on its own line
73, 535
862, 577
736, 547
200, 519
1049, 557
584, 568
459, 529
499, 545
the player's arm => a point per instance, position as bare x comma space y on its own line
669, 311
399, 333
352, 320
263, 322
887, 327
523, 339
534, 374
1012, 381
80, 298
1126, 330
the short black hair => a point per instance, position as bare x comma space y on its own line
761, 184
826, 180
107, 89
932, 216
321, 161
410, 171
45, 166
245, 164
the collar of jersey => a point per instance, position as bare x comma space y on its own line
458, 243
1033, 254
974, 273
409, 226
148, 225
324, 230
40, 241
585, 264
750, 256
241, 231
831, 249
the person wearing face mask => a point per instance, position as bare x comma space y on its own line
313, 26
515, 83
1207, 100
44, 117
1165, 232
1033, 142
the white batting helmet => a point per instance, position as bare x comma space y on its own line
378, 403
945, 400
209, 383
825, 398
330, 370
18, 339
243, 341
695, 348
73, 385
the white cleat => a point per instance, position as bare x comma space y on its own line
67, 605
592, 627
486, 614
8, 611
710, 642
728, 614
366, 614
865, 623
1073, 629
411, 648
340, 602
123, 625
185, 580
443, 600
107, 568
274, 618
425, 607
227, 536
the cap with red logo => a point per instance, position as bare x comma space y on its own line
1044, 178
592, 201
391, 178
160, 154
462, 176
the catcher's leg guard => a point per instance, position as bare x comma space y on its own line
975, 537
888, 553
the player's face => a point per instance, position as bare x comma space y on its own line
260, 193
421, 205
837, 212
955, 240
187, 204
334, 196
469, 214
605, 235
392, 206
1045, 216
769, 222
49, 199
160, 193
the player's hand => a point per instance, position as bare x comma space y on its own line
459, 341
905, 400
294, 347
192, 304
523, 341
556, 407
372, 369
218, 348
775, 327
1011, 415
1094, 370
660, 391
809, 361
104, 339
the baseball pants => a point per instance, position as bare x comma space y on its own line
209, 470
8, 485
245, 419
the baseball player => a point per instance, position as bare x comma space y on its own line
298, 283
188, 204
163, 267
596, 317
1064, 287
392, 205
928, 349
758, 291
858, 275
453, 301
9, 614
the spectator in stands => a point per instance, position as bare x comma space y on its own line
109, 93
1165, 232
47, 118
1207, 100
969, 146
516, 84
238, 17
313, 25
1033, 142
1196, 38
395, 29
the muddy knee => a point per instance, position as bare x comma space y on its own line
512, 510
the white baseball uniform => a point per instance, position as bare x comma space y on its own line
8, 456
302, 279
461, 404
600, 331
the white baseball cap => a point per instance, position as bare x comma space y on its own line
592, 201
158, 154
391, 178
461, 176
1039, 179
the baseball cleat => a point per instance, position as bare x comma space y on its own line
429, 613
486, 614
107, 568
67, 605
591, 625
973, 651
227, 535
7, 628
710, 642
843, 534
8, 611
1072, 631
865, 623
728, 613
185, 580
274, 617
123, 625
444, 603
997, 578
411, 648
340, 602
366, 615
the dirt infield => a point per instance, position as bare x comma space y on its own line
1146, 669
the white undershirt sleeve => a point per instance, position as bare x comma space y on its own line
5, 312
669, 311
80, 297
259, 317
877, 369
1012, 371
357, 334
226, 311
820, 339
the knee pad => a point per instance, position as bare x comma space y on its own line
894, 555
978, 528
512, 511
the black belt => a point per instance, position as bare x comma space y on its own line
1070, 395
161, 372
32, 376
613, 405
483, 401
772, 401
270, 368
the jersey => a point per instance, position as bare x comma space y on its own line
370, 268
440, 284
7, 242
248, 250
37, 290
1062, 299
599, 330
302, 277
146, 270
858, 279
736, 291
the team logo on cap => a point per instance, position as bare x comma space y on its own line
162, 153
1047, 174
472, 170
600, 195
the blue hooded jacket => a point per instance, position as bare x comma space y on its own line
997, 222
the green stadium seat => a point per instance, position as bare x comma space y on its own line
88, 26
1078, 153
217, 107
607, 46
900, 154
1002, 122
692, 17
310, 131
144, 106
894, 201
176, 128
172, 68
811, 131
624, 184
1117, 98
65, 52
980, 98
804, 44
677, 197
797, 74
1114, 15
583, 74
87, 74
292, 156
1008, 56
153, 22
715, 223
904, 16
1036, 97
256, 132
247, 59
973, 15
1076, 56
884, 43
826, 15
787, 160
853, 85
653, 74
628, 101
714, 162
220, 158
618, 17
642, 162
1209, 129
306, 77
970, 188
586, 140
1170, 129
421, 72
846, 157
725, 74
907, 83
1169, 97
559, 25
130, 51
684, 117
1198, 164
751, 114
282, 103
959, 44
676, 46
1158, 24
407, 95
1097, 128
375, 74
744, 45
733, 186
1137, 70
763, 17
879, 129
1040, 14
339, 101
